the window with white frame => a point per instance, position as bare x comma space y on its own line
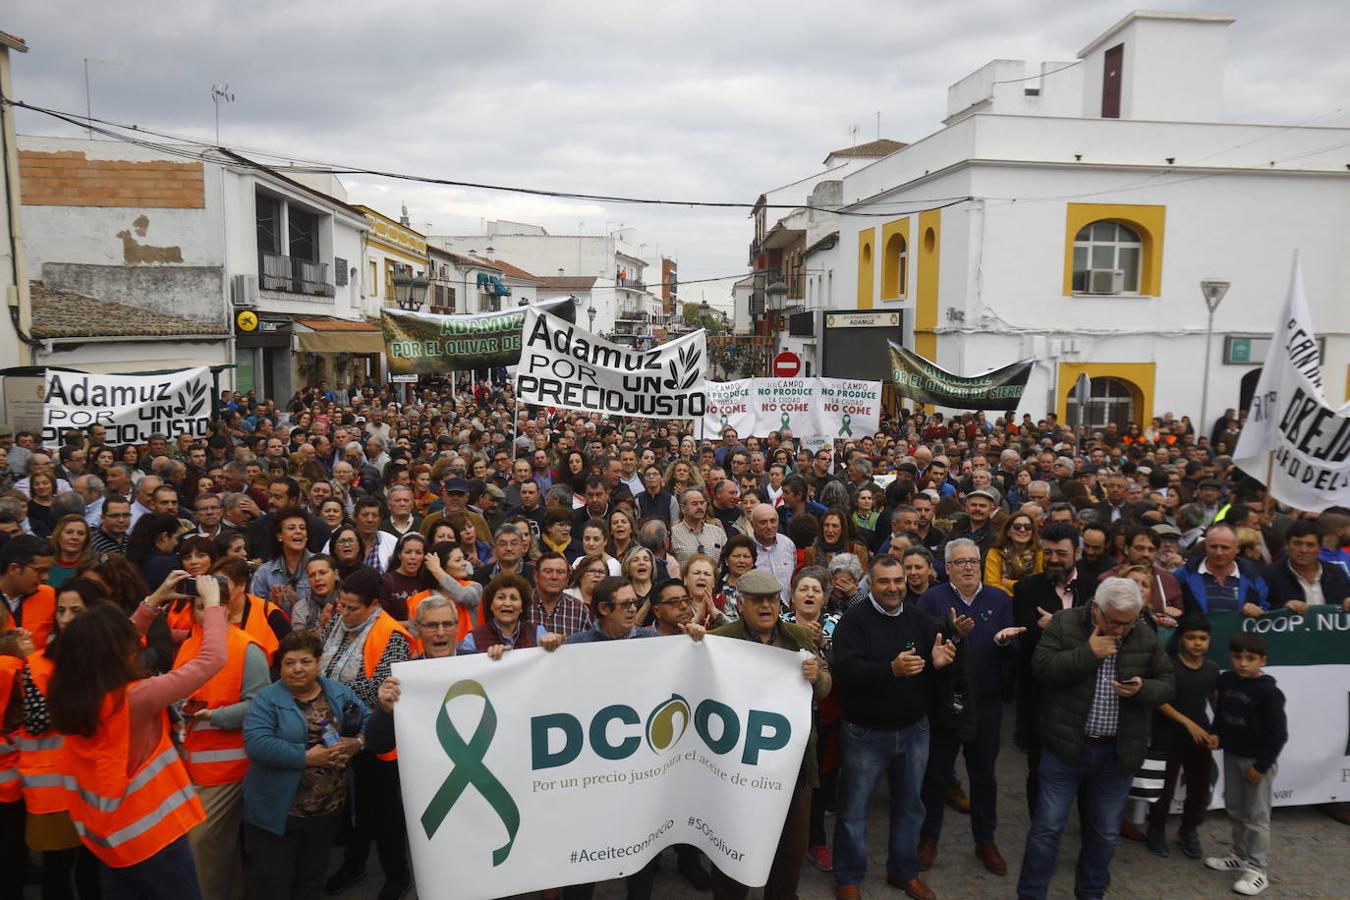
1108, 246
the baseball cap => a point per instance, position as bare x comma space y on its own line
455, 486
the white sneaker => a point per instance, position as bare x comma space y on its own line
1251, 883
1229, 863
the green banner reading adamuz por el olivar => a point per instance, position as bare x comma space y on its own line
426, 343
923, 382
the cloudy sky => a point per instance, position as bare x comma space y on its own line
687, 100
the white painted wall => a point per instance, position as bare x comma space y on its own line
140, 356
1173, 67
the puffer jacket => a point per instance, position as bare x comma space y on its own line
1066, 667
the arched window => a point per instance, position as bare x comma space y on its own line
1109, 246
1109, 400
894, 268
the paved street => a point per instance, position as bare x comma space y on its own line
1310, 857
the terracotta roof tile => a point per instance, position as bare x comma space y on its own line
513, 271
64, 314
332, 323
877, 148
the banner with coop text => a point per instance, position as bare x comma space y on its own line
832, 407
1308, 655
528, 782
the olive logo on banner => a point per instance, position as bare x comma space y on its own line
469, 769
667, 724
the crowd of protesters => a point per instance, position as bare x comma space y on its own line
198, 633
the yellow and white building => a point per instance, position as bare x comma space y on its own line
1069, 211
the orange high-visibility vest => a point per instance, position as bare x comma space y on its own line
40, 755
181, 619
257, 626
376, 642
127, 817
11, 669
215, 755
466, 618
37, 613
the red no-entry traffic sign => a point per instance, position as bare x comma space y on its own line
787, 365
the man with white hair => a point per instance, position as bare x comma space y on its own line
982, 615
1101, 677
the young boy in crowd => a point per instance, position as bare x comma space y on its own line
1182, 729
1250, 726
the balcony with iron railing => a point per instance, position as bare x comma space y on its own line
631, 313
293, 275
630, 284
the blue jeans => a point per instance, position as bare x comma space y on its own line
901, 755
1104, 793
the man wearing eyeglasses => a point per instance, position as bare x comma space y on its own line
25, 562
111, 535
981, 616
1101, 677
614, 605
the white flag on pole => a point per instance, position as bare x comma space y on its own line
1294, 343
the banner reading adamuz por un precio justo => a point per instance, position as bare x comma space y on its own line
567, 367
545, 769
129, 407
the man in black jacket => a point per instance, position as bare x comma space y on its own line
1299, 580
888, 657
1035, 599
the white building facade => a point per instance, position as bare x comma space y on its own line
220, 240
1071, 216
625, 306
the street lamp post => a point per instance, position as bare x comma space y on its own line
1213, 290
410, 291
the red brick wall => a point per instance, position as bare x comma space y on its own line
67, 178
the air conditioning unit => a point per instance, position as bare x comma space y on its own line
244, 290
1106, 281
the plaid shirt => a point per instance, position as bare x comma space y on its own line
1104, 714
373, 557
568, 617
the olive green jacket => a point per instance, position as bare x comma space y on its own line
1066, 668
789, 636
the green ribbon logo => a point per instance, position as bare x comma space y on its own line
469, 770
846, 428
724, 421
785, 421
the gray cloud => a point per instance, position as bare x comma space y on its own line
697, 100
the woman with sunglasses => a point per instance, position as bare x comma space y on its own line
1016, 554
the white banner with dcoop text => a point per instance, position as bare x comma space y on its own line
548, 769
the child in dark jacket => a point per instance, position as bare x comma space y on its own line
1251, 728
1182, 729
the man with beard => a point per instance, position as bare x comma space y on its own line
1035, 599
